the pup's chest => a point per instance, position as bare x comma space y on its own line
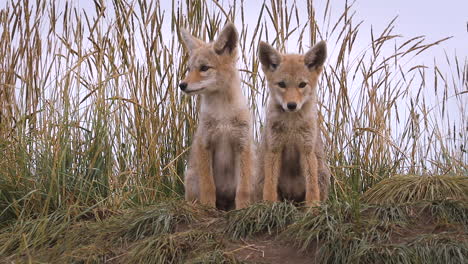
289, 132
233, 130
290, 129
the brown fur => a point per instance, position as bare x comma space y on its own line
220, 164
291, 157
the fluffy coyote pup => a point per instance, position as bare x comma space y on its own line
291, 155
220, 164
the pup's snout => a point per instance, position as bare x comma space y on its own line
183, 86
292, 106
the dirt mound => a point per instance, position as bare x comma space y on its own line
175, 232
267, 249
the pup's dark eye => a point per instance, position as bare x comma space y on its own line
302, 85
282, 84
204, 68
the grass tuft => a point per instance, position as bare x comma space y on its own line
155, 220
326, 224
432, 248
409, 189
451, 211
259, 218
379, 235
391, 213
440, 248
170, 248
32, 234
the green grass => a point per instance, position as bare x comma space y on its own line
140, 234
32, 234
175, 232
425, 249
161, 219
407, 188
170, 248
95, 118
384, 234
94, 134
259, 218
449, 211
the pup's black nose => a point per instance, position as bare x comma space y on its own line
292, 106
183, 86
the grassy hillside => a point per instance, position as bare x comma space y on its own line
173, 232
94, 135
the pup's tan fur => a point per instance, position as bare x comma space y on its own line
291, 157
220, 164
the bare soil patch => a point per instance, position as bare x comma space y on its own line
268, 249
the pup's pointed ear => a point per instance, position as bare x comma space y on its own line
227, 40
270, 58
190, 42
316, 56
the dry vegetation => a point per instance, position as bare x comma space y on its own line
94, 136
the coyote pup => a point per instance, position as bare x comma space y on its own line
220, 164
291, 155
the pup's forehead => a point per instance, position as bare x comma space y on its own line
293, 67
203, 55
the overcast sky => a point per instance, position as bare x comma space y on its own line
434, 19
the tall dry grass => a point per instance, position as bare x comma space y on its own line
91, 117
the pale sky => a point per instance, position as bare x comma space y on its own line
433, 18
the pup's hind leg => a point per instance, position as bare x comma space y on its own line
192, 191
310, 171
323, 179
204, 170
272, 169
244, 183
323, 169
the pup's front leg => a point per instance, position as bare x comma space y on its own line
243, 191
271, 168
205, 172
309, 167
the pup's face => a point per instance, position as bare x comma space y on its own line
292, 79
209, 63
